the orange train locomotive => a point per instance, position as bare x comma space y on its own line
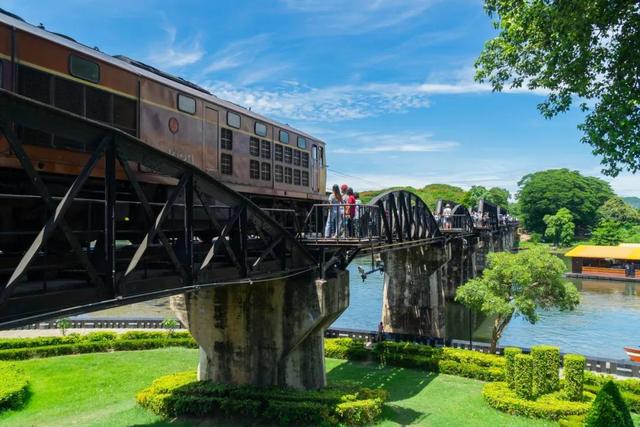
275, 165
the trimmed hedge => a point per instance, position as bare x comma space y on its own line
630, 389
14, 387
523, 376
608, 409
574, 376
182, 395
550, 406
509, 364
546, 369
92, 343
453, 361
346, 348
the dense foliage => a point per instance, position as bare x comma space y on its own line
452, 361
576, 50
546, 369
551, 406
181, 395
518, 284
523, 376
27, 348
574, 376
431, 193
607, 233
14, 387
510, 354
560, 227
545, 192
617, 210
608, 409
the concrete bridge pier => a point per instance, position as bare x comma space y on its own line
414, 290
267, 334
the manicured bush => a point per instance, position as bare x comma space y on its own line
608, 409
523, 376
471, 370
14, 387
8, 343
346, 348
509, 364
546, 369
574, 376
629, 388
408, 355
100, 336
551, 406
181, 395
475, 357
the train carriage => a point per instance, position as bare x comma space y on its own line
272, 163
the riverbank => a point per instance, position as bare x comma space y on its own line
98, 390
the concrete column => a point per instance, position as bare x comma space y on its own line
413, 301
268, 334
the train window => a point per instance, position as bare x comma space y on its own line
296, 177
305, 160
302, 143
84, 69
254, 169
260, 129
296, 158
125, 113
34, 84
233, 120
277, 152
186, 104
283, 137
277, 173
254, 146
98, 104
321, 157
266, 171
287, 154
69, 96
305, 178
226, 139
266, 149
226, 164
287, 175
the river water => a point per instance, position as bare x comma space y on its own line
606, 320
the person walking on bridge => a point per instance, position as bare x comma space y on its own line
332, 227
446, 215
349, 211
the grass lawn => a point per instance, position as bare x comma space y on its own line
98, 390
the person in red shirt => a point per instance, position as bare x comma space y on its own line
349, 211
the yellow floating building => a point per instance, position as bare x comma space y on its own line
605, 261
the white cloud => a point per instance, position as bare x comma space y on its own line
238, 53
173, 54
356, 16
400, 142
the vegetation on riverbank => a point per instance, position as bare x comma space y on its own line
98, 390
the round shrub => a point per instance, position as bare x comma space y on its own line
551, 406
546, 369
510, 354
345, 348
608, 409
14, 387
523, 376
574, 376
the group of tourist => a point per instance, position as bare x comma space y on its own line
344, 218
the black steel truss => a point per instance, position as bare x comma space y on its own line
221, 239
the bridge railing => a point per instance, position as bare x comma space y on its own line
352, 223
456, 222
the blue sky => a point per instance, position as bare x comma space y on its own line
387, 84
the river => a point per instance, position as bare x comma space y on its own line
606, 320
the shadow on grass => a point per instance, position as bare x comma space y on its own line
401, 384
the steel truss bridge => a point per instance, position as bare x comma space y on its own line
199, 232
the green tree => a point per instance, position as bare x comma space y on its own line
518, 285
576, 50
560, 227
545, 192
495, 195
608, 409
608, 233
615, 209
430, 194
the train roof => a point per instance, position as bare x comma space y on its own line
140, 68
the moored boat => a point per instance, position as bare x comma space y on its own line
633, 353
